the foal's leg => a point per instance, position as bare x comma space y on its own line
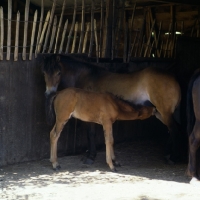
54, 136
107, 126
194, 143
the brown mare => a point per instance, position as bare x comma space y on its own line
193, 115
101, 108
150, 86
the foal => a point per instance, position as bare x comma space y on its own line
101, 108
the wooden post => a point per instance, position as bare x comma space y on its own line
92, 30
49, 25
96, 40
132, 47
25, 29
63, 36
72, 27
9, 29
82, 27
40, 27
113, 31
53, 33
86, 36
166, 46
125, 41
101, 28
158, 38
59, 25
130, 34
107, 40
74, 39
33, 35
17, 37
43, 31
2, 33
149, 40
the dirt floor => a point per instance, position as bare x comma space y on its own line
142, 176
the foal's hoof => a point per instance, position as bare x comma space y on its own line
57, 168
116, 164
88, 161
113, 170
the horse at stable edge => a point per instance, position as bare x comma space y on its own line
101, 108
151, 86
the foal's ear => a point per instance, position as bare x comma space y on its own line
58, 58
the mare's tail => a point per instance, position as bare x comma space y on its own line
49, 108
190, 108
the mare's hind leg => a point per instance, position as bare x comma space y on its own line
110, 156
194, 143
54, 136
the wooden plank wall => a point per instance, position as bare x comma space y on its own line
108, 30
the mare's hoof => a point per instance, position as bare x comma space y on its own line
57, 168
88, 161
116, 164
195, 182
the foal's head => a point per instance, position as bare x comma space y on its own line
52, 73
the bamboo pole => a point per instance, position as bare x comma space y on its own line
113, 32
173, 40
53, 33
101, 28
166, 46
9, 30
63, 36
25, 29
158, 39
132, 47
59, 25
72, 27
92, 30
86, 37
43, 32
75, 36
149, 40
40, 27
141, 50
96, 40
33, 35
2, 33
82, 27
17, 37
125, 41
49, 25
130, 34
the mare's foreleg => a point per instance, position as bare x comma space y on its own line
194, 143
91, 145
109, 141
54, 136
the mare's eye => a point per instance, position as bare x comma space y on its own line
59, 73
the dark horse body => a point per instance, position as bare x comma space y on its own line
193, 115
101, 108
150, 85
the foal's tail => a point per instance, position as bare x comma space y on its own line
49, 108
190, 108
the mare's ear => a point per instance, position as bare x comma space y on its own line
58, 58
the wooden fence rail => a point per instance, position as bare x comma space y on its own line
126, 38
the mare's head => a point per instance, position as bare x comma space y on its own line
52, 73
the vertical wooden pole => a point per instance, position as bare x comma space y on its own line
166, 46
158, 38
130, 34
101, 28
96, 40
2, 33
132, 46
9, 29
74, 39
33, 35
82, 27
49, 25
17, 37
92, 30
63, 36
53, 33
40, 27
43, 32
113, 31
25, 29
86, 36
72, 27
107, 40
59, 25
125, 41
